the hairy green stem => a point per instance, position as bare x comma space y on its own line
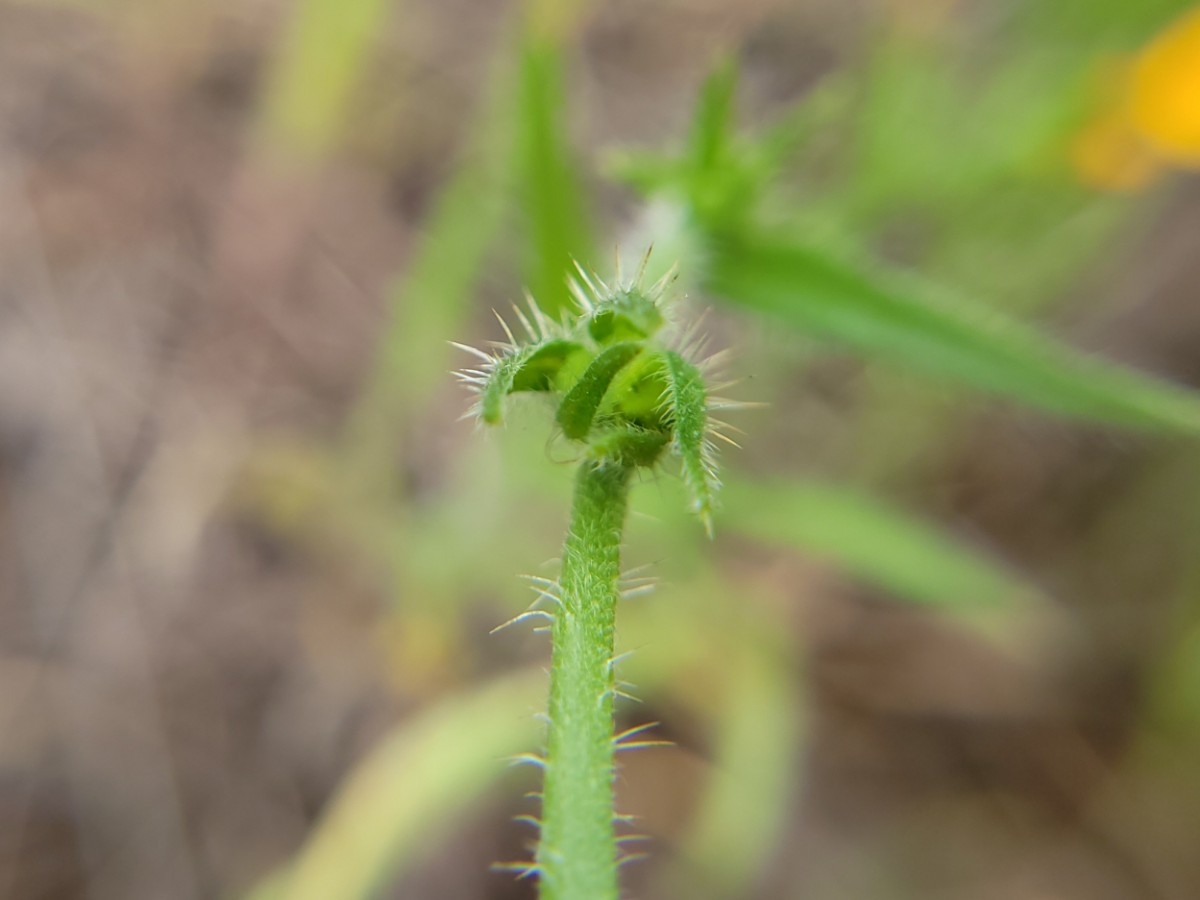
577, 853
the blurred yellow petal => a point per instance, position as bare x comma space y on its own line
1164, 99
1108, 154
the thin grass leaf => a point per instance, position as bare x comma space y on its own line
323, 53
713, 123
740, 817
431, 299
894, 318
551, 196
405, 796
872, 540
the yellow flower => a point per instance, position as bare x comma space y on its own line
1107, 152
1164, 96
1151, 118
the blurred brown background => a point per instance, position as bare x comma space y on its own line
203, 631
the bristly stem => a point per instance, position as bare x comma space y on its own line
577, 857
628, 400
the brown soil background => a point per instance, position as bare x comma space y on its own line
183, 689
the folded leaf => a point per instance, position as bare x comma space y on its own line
687, 399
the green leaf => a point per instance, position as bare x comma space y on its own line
686, 402
881, 545
890, 316
579, 406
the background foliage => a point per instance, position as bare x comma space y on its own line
945, 641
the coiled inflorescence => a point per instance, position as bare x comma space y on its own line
621, 390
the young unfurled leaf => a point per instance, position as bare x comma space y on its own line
627, 316
532, 368
636, 393
618, 388
631, 445
685, 401
541, 368
498, 384
578, 408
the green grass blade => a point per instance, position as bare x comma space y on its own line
713, 123
403, 797
886, 315
551, 195
323, 53
742, 813
432, 298
873, 541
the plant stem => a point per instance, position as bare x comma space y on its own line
577, 853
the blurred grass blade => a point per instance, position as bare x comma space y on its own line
432, 299
323, 52
741, 817
713, 123
551, 195
889, 316
405, 795
873, 541
436, 292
